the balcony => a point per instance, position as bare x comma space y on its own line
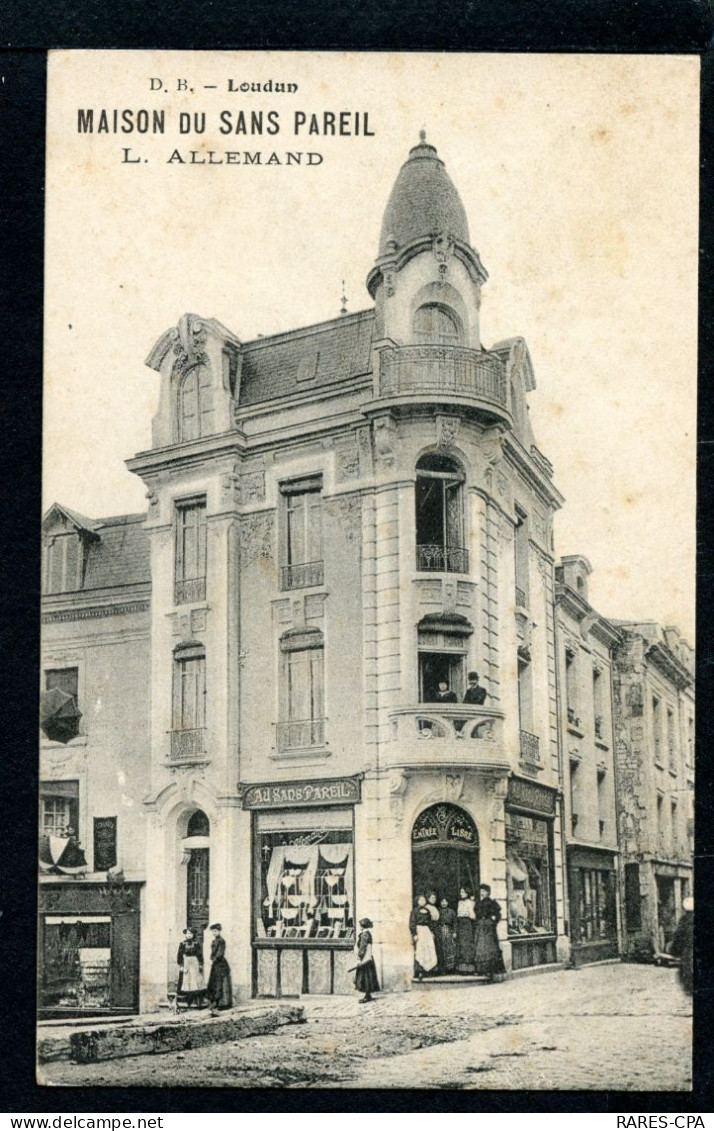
300, 734
189, 590
302, 576
443, 373
434, 735
442, 559
530, 748
188, 745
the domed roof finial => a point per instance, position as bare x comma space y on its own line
422, 136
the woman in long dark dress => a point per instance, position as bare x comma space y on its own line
190, 988
220, 990
422, 939
465, 916
432, 906
447, 932
488, 959
366, 981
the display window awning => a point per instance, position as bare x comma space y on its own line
59, 715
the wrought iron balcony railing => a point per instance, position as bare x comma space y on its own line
521, 597
187, 744
300, 734
436, 370
530, 748
301, 576
442, 559
189, 590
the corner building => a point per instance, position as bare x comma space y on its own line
340, 518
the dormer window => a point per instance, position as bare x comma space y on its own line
64, 563
436, 325
195, 405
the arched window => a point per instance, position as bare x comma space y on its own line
195, 407
198, 824
437, 325
440, 516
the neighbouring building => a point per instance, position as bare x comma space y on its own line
94, 761
654, 762
268, 671
585, 642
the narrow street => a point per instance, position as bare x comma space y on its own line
623, 1027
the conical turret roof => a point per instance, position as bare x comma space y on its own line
423, 202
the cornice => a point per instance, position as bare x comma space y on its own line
525, 464
667, 663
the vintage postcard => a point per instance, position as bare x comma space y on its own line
367, 704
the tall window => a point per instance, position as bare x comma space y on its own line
189, 702
302, 702
571, 687
440, 516
521, 558
64, 563
529, 743
602, 800
434, 324
574, 792
195, 408
657, 729
674, 819
598, 709
302, 556
190, 556
671, 745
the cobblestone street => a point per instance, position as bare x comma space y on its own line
622, 1027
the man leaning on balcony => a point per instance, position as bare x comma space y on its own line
474, 692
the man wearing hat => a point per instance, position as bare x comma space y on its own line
474, 692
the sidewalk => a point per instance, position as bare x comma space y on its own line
87, 1041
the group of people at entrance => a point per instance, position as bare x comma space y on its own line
191, 989
456, 941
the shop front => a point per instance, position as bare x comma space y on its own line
592, 895
530, 873
303, 886
89, 948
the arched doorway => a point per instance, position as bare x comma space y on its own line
197, 872
445, 853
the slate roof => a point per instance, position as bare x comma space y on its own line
315, 357
120, 556
423, 202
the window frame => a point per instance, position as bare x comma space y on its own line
190, 589
302, 568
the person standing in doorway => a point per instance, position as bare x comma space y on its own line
465, 916
488, 959
422, 939
432, 906
447, 932
475, 693
366, 980
220, 990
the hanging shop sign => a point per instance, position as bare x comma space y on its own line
532, 796
293, 794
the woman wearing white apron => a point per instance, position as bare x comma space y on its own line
420, 925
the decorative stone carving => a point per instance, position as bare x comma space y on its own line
502, 484
297, 606
189, 345
449, 594
385, 436
257, 537
443, 249
447, 431
389, 276
153, 498
453, 786
184, 627
498, 800
364, 446
348, 464
198, 620
230, 487
252, 488
347, 509
397, 788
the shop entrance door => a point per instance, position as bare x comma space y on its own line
666, 914
445, 853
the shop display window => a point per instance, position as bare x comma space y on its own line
304, 884
529, 873
76, 961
